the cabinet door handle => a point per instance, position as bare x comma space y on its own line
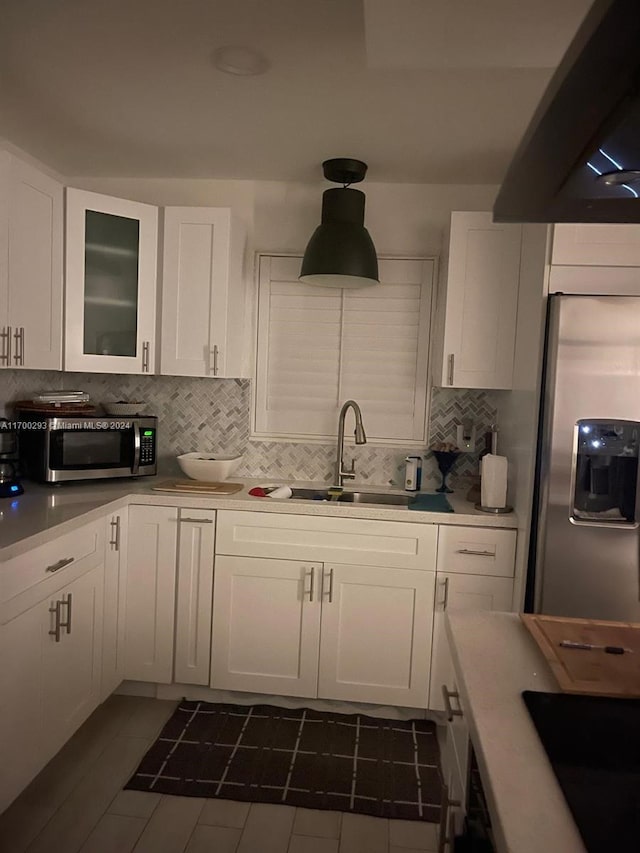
471, 553
197, 520
5, 355
446, 836
21, 346
214, 355
330, 593
66, 602
55, 567
451, 837
445, 597
451, 365
56, 631
312, 575
17, 347
115, 533
145, 356
450, 711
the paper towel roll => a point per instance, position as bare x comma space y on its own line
280, 492
493, 487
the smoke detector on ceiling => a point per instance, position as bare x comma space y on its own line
240, 60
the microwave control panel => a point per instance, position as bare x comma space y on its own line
147, 447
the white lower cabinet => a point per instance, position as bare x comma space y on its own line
460, 592
305, 629
375, 634
319, 607
454, 758
196, 537
169, 579
72, 666
51, 673
150, 593
266, 626
22, 740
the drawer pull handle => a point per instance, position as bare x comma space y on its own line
471, 553
65, 561
56, 631
450, 711
67, 603
197, 520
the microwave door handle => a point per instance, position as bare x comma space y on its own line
136, 449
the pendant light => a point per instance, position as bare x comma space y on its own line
340, 252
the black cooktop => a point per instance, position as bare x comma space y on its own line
593, 744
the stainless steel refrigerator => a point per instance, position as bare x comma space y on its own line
586, 556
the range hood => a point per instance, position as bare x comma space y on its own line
577, 159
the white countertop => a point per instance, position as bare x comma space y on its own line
44, 512
495, 659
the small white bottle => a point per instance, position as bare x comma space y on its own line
413, 473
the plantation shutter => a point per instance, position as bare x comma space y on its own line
318, 347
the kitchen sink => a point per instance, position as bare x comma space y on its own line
352, 497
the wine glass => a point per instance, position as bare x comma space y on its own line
446, 460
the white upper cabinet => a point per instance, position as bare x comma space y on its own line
30, 266
203, 293
111, 280
596, 245
481, 301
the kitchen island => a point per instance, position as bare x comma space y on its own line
495, 659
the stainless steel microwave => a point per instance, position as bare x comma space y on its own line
58, 449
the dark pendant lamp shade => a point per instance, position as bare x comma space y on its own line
340, 252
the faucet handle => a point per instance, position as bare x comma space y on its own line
352, 470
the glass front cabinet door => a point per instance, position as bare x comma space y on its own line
111, 280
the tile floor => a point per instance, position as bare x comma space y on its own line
77, 805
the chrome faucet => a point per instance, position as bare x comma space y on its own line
361, 438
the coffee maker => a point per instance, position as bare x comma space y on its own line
10, 487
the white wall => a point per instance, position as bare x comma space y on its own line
518, 409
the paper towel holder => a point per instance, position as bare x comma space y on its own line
498, 510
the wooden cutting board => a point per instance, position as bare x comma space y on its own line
197, 487
592, 671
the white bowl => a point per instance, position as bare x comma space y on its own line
208, 466
125, 410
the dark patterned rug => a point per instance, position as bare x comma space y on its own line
313, 759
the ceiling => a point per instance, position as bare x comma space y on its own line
427, 91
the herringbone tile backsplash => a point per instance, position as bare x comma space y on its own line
213, 415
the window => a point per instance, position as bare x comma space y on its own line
318, 347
